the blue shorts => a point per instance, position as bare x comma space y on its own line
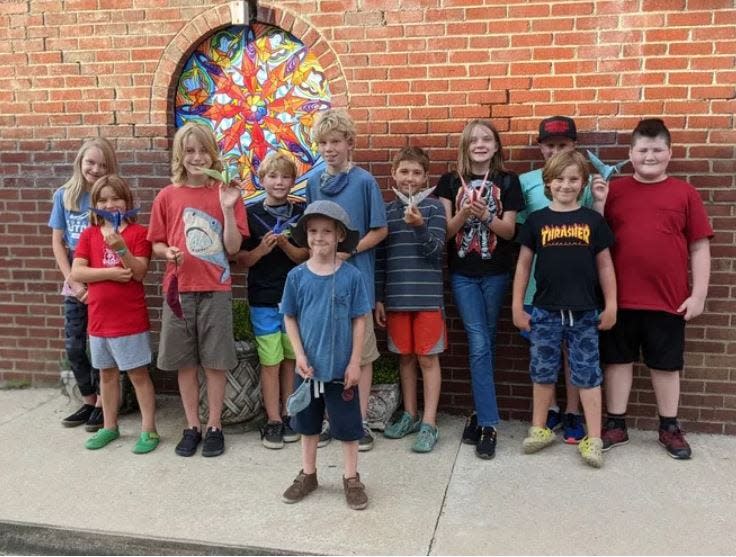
343, 412
125, 353
579, 330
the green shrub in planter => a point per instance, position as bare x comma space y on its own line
242, 327
386, 369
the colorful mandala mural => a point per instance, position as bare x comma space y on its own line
259, 89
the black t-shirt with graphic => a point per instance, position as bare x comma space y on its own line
566, 244
475, 250
267, 277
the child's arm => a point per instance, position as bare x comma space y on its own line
231, 236
607, 279
266, 245
522, 319
352, 372
292, 331
430, 234
295, 253
599, 192
172, 254
700, 268
62, 261
457, 221
380, 283
82, 272
374, 237
138, 265
503, 227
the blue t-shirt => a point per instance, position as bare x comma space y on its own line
357, 192
324, 307
71, 222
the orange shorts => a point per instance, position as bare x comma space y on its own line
416, 332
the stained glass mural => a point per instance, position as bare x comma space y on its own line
260, 89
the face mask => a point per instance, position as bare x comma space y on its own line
300, 398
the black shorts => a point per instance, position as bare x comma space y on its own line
343, 412
660, 336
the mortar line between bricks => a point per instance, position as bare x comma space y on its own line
444, 499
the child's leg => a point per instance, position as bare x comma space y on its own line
432, 380
144, 393
216, 381
309, 453
287, 381
75, 343
270, 379
189, 392
666, 386
408, 375
618, 379
591, 399
110, 392
572, 404
364, 387
350, 456
544, 394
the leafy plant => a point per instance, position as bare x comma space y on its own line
242, 327
386, 369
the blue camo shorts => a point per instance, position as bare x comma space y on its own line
579, 331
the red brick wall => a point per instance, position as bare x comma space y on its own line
412, 74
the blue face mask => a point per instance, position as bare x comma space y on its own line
300, 398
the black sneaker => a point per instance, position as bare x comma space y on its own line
190, 439
486, 447
471, 433
96, 420
79, 417
214, 442
289, 434
366, 442
272, 435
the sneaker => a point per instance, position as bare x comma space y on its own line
613, 436
147, 441
272, 435
366, 442
402, 427
214, 442
485, 448
324, 436
573, 428
102, 438
426, 440
471, 433
591, 449
538, 438
355, 493
673, 439
96, 420
290, 436
554, 419
303, 485
79, 417
190, 440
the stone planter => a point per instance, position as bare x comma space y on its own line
243, 404
128, 402
382, 403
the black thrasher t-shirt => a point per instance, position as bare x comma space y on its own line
566, 244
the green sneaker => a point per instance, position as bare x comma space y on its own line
539, 438
426, 440
146, 442
101, 438
405, 425
591, 449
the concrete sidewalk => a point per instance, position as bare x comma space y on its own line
56, 497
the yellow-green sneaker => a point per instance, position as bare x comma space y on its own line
102, 438
539, 438
591, 449
147, 441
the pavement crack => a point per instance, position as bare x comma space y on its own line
444, 499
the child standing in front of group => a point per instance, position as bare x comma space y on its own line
409, 289
481, 200
270, 255
196, 224
356, 191
571, 244
69, 217
325, 305
659, 222
112, 259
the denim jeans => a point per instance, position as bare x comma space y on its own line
478, 301
75, 342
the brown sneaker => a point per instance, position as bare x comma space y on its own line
303, 485
355, 493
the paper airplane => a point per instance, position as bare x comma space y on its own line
414, 198
606, 170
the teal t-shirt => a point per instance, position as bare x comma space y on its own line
532, 187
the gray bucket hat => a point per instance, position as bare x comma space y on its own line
333, 211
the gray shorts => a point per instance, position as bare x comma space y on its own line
125, 353
205, 335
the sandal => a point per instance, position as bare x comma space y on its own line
147, 441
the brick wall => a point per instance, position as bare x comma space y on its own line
410, 72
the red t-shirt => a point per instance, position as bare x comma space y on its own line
654, 225
192, 220
115, 309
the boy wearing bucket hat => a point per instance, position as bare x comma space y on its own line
325, 304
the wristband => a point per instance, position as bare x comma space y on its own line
122, 251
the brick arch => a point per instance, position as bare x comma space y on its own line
181, 46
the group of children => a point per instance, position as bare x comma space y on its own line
321, 275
